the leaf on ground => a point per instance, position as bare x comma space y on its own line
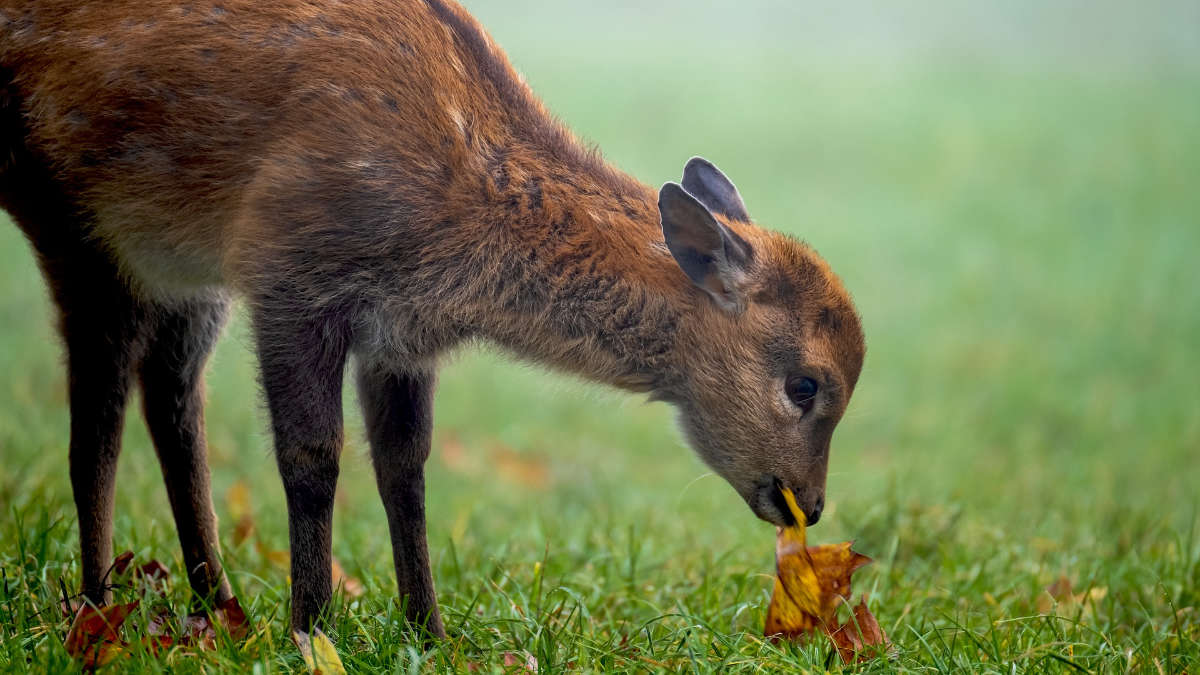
200, 629
319, 654
811, 583
95, 634
518, 468
521, 663
351, 586
238, 500
454, 455
121, 562
277, 558
1060, 589
854, 638
1061, 592
153, 574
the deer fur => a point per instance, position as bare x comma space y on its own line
374, 180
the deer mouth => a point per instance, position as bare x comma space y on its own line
768, 503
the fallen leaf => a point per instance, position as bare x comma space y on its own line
243, 529
153, 576
94, 636
200, 631
278, 558
524, 662
834, 564
238, 499
160, 624
1061, 592
518, 468
318, 652
854, 637
233, 618
1061, 589
811, 583
454, 455
121, 562
350, 585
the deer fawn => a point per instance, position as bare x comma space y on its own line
375, 181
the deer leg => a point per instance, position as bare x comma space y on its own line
302, 364
172, 373
398, 410
103, 328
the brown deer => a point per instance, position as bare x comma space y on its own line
375, 181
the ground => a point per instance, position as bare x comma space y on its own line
1010, 193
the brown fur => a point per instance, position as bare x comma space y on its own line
375, 180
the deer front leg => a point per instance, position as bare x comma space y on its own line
302, 365
398, 410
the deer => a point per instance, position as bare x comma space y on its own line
377, 186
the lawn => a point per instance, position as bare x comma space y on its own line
1011, 195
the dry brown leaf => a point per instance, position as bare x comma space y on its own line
350, 585
1061, 589
521, 663
1061, 592
121, 563
243, 529
854, 638
200, 631
95, 634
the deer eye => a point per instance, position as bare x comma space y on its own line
802, 392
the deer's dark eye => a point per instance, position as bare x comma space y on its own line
802, 391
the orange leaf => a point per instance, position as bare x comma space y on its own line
233, 618
350, 585
856, 635
1061, 589
812, 581
279, 558
94, 635
121, 562
454, 455
519, 469
238, 498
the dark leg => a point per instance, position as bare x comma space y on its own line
103, 328
302, 366
173, 403
398, 410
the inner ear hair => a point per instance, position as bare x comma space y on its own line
713, 257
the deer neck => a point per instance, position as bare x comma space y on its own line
581, 279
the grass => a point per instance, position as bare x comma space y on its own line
1020, 232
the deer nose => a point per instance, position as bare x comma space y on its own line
813, 513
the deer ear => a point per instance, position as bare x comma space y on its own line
706, 183
714, 258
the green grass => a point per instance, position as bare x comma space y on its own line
1020, 231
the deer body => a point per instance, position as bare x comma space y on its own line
377, 183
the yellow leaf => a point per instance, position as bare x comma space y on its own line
812, 580
319, 654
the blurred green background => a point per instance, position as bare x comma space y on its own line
1010, 192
